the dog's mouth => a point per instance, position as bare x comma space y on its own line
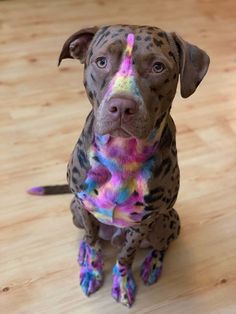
113, 128
119, 129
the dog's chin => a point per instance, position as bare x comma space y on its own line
120, 133
124, 133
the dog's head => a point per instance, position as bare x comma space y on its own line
131, 74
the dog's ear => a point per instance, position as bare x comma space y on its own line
193, 65
76, 45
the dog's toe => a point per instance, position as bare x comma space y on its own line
124, 286
90, 280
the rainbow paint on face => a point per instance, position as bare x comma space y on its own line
124, 80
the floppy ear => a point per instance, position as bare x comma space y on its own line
76, 45
193, 65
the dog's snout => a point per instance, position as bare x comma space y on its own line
122, 107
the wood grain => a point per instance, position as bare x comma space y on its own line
42, 111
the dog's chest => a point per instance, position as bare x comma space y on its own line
117, 180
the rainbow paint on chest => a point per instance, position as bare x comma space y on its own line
117, 181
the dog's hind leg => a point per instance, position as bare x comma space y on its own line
90, 257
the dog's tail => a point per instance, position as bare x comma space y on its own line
49, 189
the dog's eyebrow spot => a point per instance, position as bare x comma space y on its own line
149, 57
116, 46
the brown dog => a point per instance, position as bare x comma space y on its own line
124, 170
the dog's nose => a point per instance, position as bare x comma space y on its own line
122, 107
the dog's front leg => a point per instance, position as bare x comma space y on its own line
90, 257
124, 286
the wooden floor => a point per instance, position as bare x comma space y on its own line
41, 114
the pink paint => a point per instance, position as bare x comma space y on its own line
126, 65
124, 79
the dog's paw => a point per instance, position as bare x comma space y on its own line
90, 280
124, 286
91, 271
152, 267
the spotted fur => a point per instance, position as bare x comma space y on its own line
125, 188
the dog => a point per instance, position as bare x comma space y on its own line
124, 170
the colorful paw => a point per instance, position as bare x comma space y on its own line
91, 272
151, 268
124, 287
90, 280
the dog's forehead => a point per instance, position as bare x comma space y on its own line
147, 38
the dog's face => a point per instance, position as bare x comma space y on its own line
131, 74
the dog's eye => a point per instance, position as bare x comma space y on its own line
158, 67
101, 62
